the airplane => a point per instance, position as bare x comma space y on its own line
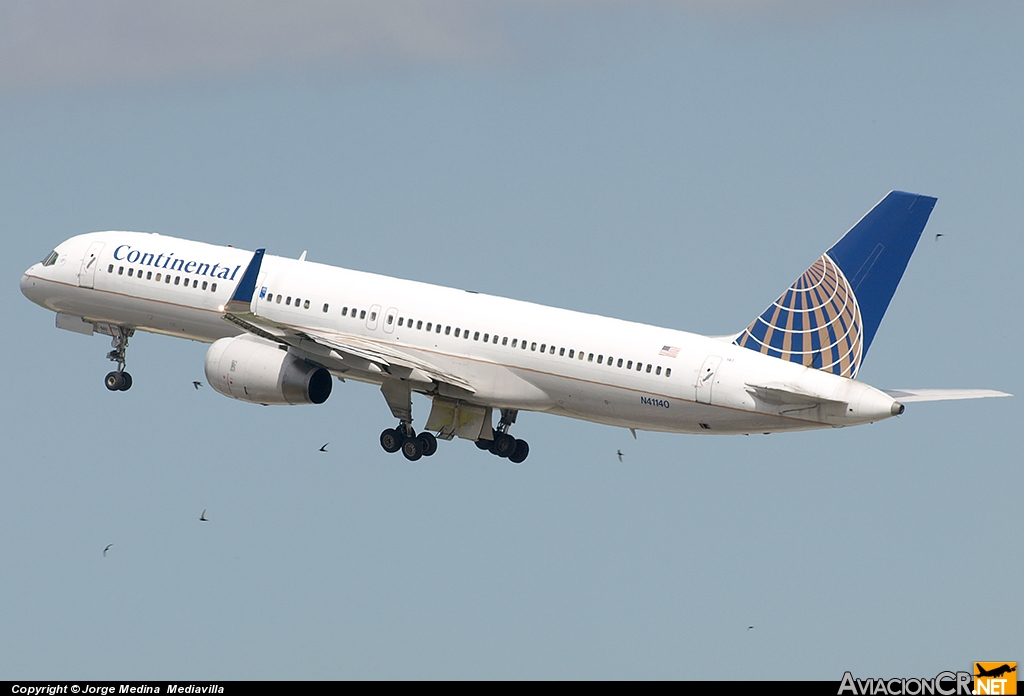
281, 330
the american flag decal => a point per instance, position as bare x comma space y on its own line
670, 351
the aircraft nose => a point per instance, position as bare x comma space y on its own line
31, 287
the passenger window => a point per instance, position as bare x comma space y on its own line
373, 316
465, 334
590, 358
401, 320
429, 325
572, 353
551, 350
523, 345
619, 363
629, 365
668, 371
159, 277
344, 311
278, 300
476, 336
213, 288
504, 341
561, 352
437, 329
177, 280
120, 270
305, 305
543, 347
149, 275
362, 314
288, 301
456, 332
447, 330
204, 284
648, 368
167, 279
533, 346
110, 268
495, 339
600, 359
325, 308
419, 325
487, 338
131, 271
515, 342
639, 366
195, 283
658, 371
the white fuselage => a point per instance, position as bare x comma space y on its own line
516, 355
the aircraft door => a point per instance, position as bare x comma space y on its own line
372, 317
390, 319
706, 379
87, 274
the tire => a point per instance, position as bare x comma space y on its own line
126, 381
521, 452
429, 443
412, 449
484, 444
391, 440
113, 381
504, 445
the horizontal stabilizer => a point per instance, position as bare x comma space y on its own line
786, 395
911, 395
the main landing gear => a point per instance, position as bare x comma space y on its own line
119, 380
404, 438
503, 444
399, 397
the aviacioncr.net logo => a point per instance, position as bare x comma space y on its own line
943, 684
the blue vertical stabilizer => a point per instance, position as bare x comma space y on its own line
829, 316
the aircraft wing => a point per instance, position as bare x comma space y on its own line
911, 395
351, 351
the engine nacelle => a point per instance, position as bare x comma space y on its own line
251, 369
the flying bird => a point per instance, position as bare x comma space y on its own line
619, 452
106, 549
324, 448
197, 384
202, 517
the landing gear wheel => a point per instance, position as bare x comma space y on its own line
391, 440
126, 381
484, 444
412, 448
429, 443
521, 452
113, 381
504, 445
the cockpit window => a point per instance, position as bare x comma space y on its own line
51, 259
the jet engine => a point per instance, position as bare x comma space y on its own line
252, 369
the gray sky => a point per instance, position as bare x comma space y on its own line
677, 163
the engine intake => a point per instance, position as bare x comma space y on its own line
252, 369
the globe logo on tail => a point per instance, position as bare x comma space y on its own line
816, 323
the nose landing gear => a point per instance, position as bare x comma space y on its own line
119, 380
